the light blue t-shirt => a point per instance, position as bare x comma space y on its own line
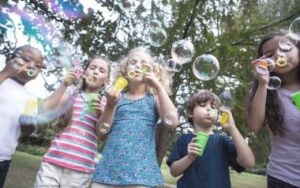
129, 156
284, 160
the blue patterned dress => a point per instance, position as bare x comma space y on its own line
129, 156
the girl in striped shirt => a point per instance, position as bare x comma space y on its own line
69, 162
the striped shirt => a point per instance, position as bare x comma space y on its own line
76, 147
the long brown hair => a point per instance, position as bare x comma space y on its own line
274, 118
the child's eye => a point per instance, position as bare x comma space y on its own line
27, 60
92, 67
102, 70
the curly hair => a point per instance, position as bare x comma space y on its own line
158, 69
274, 118
201, 97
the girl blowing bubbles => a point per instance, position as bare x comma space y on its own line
275, 108
69, 161
129, 157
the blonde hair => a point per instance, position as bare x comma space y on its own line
159, 71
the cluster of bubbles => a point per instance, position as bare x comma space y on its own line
182, 52
157, 36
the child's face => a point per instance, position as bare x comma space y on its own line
201, 116
33, 61
98, 70
271, 47
137, 63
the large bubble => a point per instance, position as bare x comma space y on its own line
294, 29
206, 67
182, 51
157, 37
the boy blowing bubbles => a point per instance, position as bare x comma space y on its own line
210, 169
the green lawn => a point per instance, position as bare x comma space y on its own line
25, 166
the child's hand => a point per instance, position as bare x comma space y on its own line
98, 106
262, 78
150, 78
194, 149
112, 97
14, 67
69, 78
230, 124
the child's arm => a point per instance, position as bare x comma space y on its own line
178, 167
164, 105
9, 71
245, 156
105, 121
257, 107
58, 97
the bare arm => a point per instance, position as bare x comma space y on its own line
245, 156
166, 108
257, 109
106, 118
58, 97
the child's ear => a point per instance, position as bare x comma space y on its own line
190, 115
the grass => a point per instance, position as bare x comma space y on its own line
24, 168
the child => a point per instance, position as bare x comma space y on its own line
69, 162
129, 157
275, 108
13, 97
211, 169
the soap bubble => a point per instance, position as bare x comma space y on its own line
206, 67
157, 37
274, 83
182, 51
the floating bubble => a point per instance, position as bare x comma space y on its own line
177, 67
155, 24
173, 66
263, 65
170, 64
274, 83
157, 37
206, 67
182, 51
294, 29
226, 99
